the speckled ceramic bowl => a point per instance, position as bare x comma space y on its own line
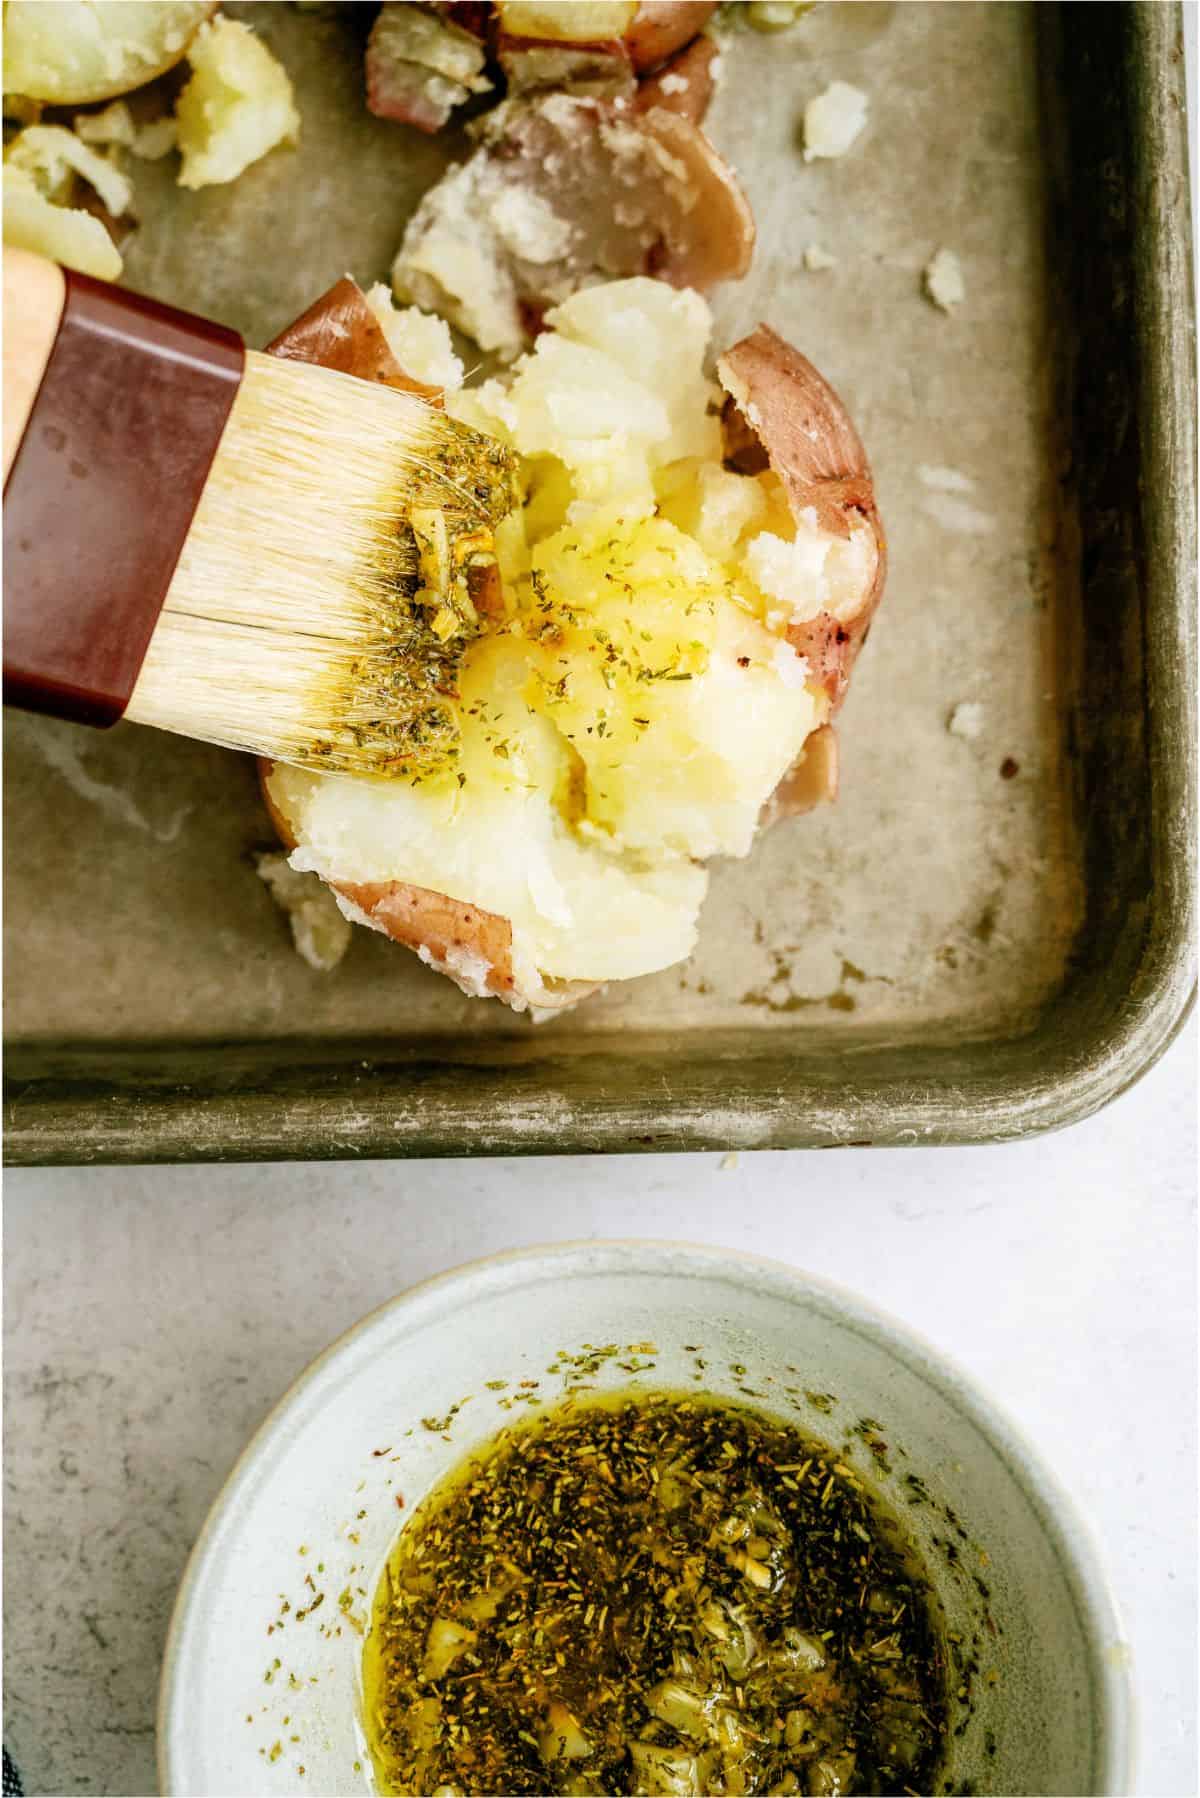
260, 1689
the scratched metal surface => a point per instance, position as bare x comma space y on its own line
939, 908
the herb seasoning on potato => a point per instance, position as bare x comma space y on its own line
676, 608
657, 1595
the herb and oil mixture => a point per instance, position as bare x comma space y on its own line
653, 1595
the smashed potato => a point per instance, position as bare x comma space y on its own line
238, 105
563, 192
638, 701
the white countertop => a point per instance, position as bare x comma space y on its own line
152, 1317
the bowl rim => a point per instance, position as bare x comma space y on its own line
1071, 1533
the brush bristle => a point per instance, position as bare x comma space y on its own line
324, 597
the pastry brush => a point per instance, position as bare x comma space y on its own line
249, 550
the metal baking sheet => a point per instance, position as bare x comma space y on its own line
987, 935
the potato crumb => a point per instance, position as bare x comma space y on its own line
966, 720
816, 259
944, 480
943, 278
52, 156
775, 15
954, 513
238, 105
151, 142
319, 931
115, 124
833, 120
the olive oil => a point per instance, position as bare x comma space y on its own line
656, 1594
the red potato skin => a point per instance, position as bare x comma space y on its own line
691, 224
423, 920
812, 779
721, 245
340, 331
399, 95
661, 27
782, 411
474, 16
692, 66
413, 915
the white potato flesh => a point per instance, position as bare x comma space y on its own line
812, 572
53, 156
571, 21
238, 105
76, 51
675, 700
615, 391
500, 842
61, 233
116, 125
420, 341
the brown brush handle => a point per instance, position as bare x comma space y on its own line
117, 412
